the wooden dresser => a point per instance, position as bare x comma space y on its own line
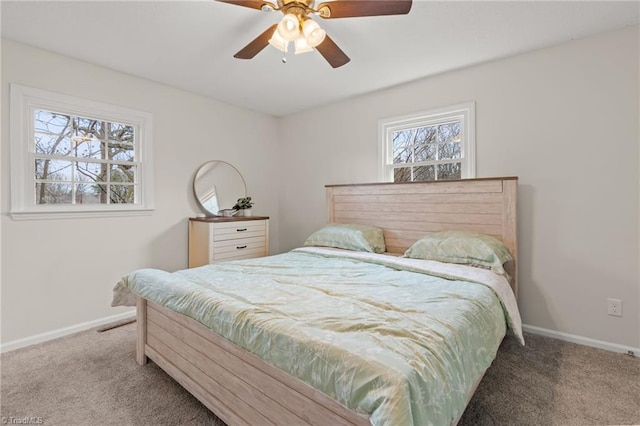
216, 239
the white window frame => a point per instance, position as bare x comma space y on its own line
466, 112
23, 104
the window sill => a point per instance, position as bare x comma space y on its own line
76, 214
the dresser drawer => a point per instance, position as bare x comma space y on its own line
231, 230
238, 245
239, 254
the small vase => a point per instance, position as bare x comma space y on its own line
246, 212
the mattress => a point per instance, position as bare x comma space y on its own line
403, 341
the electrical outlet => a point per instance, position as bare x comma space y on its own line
614, 307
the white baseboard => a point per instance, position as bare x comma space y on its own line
613, 347
50, 335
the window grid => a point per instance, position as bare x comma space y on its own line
96, 131
437, 144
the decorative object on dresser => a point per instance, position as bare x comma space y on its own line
243, 206
216, 186
227, 212
215, 239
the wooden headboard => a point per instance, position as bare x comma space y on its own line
406, 211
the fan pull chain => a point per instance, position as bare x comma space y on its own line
284, 56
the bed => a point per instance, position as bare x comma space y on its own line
251, 383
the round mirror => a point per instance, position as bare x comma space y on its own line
217, 186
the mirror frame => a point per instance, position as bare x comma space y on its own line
195, 193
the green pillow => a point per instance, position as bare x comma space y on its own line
349, 237
462, 247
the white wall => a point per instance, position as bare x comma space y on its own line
59, 273
563, 119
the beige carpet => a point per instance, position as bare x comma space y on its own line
92, 379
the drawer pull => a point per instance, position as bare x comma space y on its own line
241, 229
241, 247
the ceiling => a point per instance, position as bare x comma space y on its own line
190, 44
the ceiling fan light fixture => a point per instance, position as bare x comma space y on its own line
289, 27
302, 46
278, 42
313, 33
297, 24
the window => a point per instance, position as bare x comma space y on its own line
72, 157
433, 145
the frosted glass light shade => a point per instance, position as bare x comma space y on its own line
289, 27
278, 42
313, 33
302, 46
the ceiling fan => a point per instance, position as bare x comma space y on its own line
297, 26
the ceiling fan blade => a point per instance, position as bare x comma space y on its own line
332, 53
253, 4
259, 43
352, 9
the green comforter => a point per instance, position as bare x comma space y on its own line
384, 339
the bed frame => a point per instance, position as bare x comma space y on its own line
242, 389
